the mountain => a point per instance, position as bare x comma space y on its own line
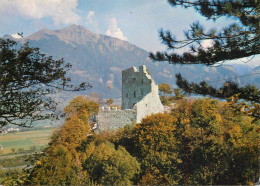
98, 59
254, 78
242, 69
249, 74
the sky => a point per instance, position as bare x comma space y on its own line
136, 21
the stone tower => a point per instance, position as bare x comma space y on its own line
140, 92
140, 98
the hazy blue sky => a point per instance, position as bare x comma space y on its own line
136, 21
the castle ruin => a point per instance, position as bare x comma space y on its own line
140, 98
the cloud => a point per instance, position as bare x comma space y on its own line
114, 31
110, 82
252, 61
207, 43
60, 11
116, 69
92, 21
16, 36
90, 17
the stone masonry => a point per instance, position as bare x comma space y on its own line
140, 98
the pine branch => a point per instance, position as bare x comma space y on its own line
236, 96
248, 93
233, 42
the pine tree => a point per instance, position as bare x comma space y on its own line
236, 41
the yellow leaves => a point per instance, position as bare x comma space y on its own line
236, 133
76, 127
216, 140
165, 88
218, 118
75, 104
185, 120
256, 106
252, 110
80, 104
84, 116
101, 152
147, 179
109, 166
38, 162
179, 161
161, 118
156, 132
109, 101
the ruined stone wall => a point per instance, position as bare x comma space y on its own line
140, 98
150, 104
140, 92
114, 119
135, 86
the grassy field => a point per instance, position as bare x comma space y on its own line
19, 142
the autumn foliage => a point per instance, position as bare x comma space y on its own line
61, 162
201, 141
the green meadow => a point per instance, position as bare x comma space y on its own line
21, 142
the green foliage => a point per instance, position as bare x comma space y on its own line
16, 143
216, 138
178, 94
31, 141
247, 93
230, 90
165, 100
160, 168
13, 177
14, 161
56, 167
125, 137
164, 89
205, 114
235, 41
27, 78
157, 152
108, 166
154, 133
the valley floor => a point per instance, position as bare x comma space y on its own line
18, 146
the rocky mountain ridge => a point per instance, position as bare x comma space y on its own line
99, 59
